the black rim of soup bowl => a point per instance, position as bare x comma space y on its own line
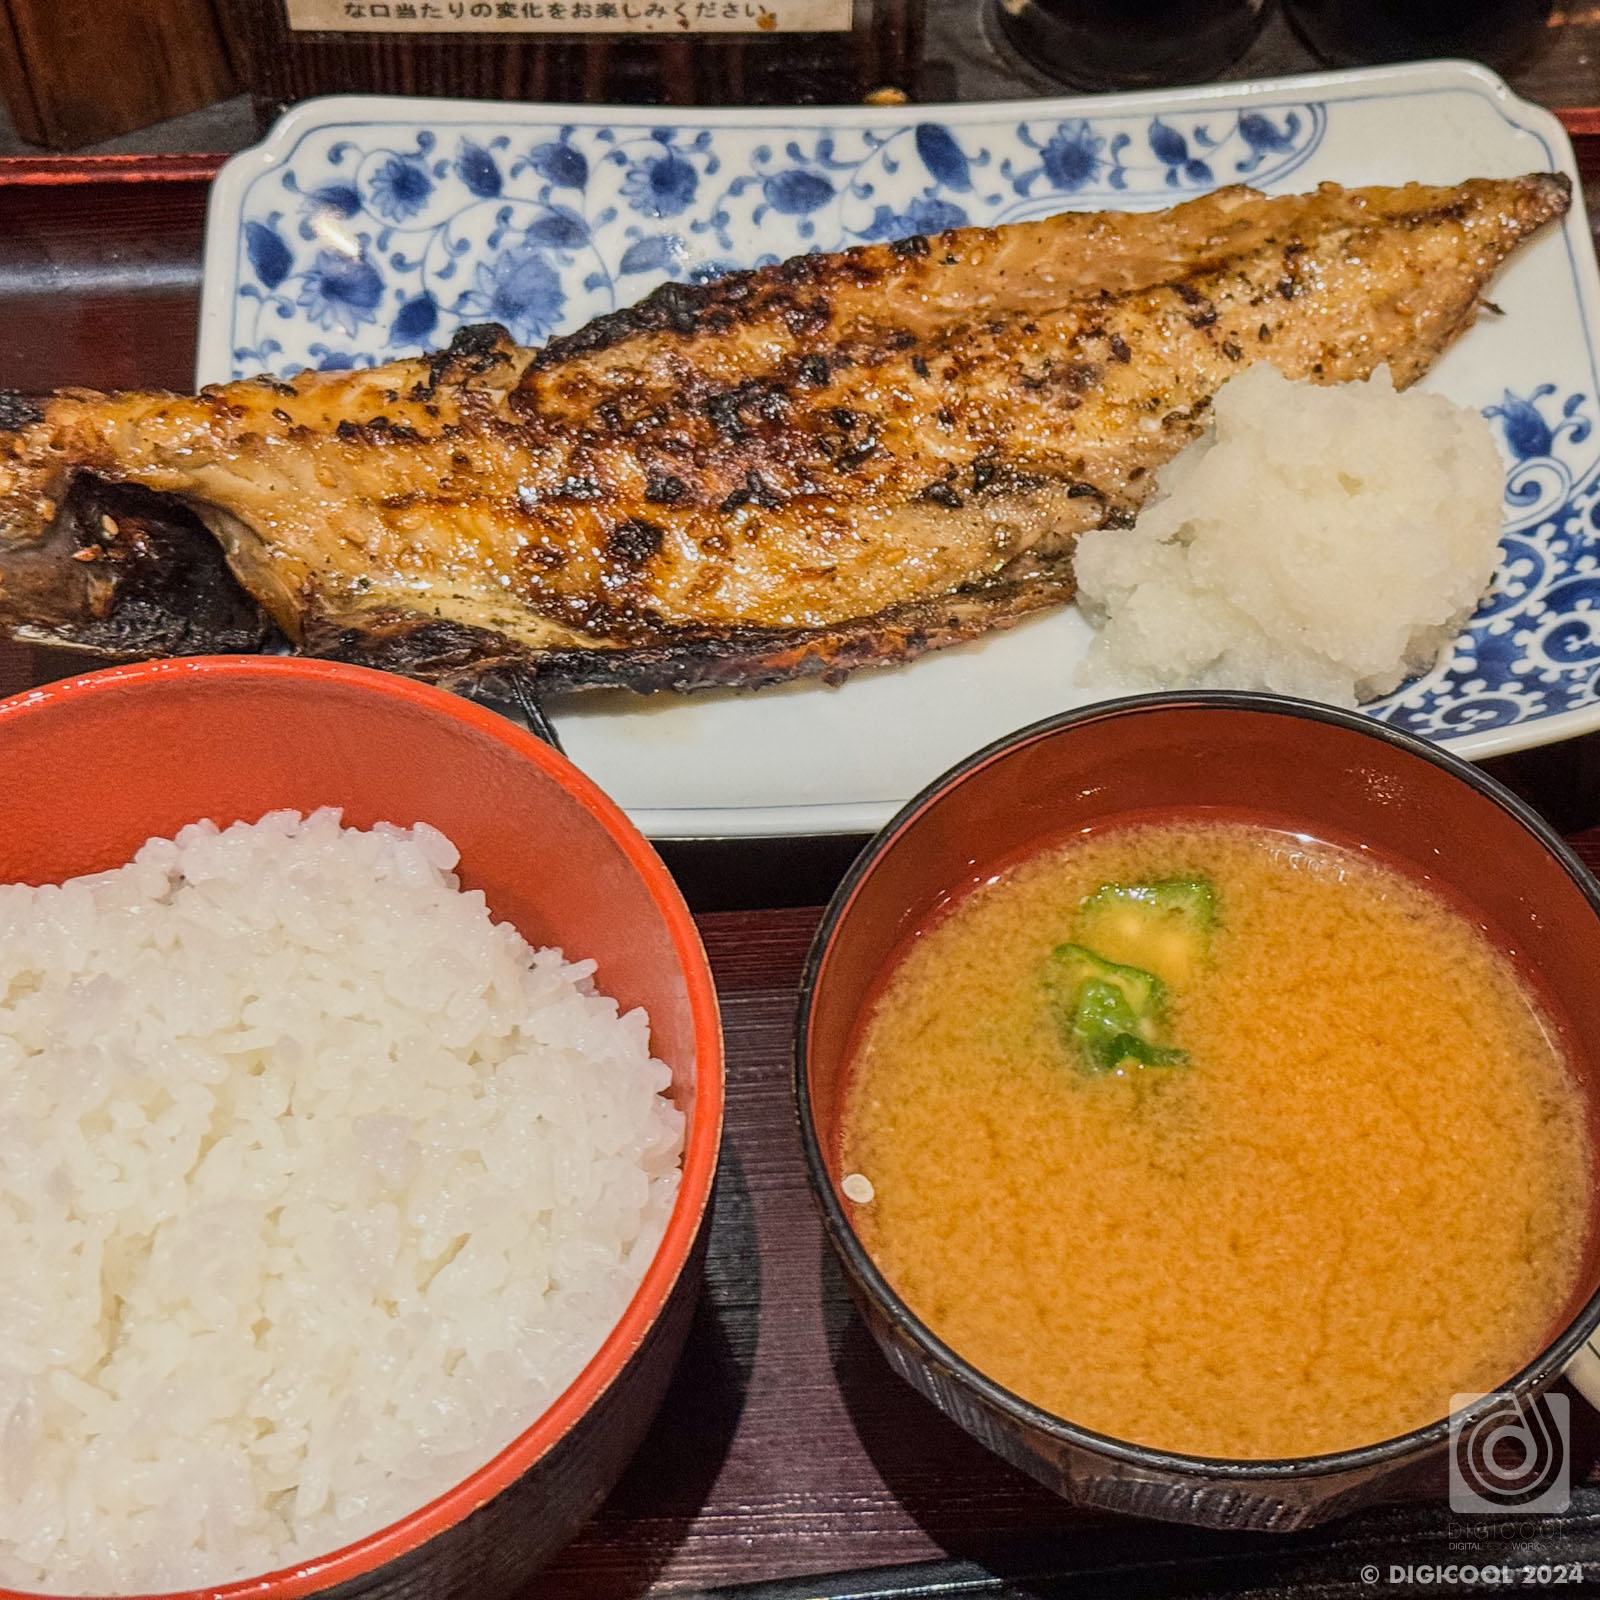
1345, 1470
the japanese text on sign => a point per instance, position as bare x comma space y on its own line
570, 16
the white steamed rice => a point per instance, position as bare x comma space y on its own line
316, 1187
1317, 541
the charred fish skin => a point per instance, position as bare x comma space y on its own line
473, 659
126, 574
836, 461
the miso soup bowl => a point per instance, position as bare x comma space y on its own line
1286, 764
96, 765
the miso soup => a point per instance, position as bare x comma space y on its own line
1220, 1141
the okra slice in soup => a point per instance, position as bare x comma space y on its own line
1163, 927
1073, 965
1109, 1014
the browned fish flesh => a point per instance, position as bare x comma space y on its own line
841, 460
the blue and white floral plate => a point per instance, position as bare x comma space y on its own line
366, 228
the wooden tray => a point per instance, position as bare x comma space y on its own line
785, 1446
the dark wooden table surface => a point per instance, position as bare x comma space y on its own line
785, 1446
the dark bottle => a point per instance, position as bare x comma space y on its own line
639, 52
1348, 33
1130, 44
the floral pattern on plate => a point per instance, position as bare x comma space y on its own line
361, 246
1533, 649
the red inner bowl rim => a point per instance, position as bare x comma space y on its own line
703, 1140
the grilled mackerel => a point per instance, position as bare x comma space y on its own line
842, 460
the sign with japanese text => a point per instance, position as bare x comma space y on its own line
570, 16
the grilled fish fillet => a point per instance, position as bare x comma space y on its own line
841, 460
